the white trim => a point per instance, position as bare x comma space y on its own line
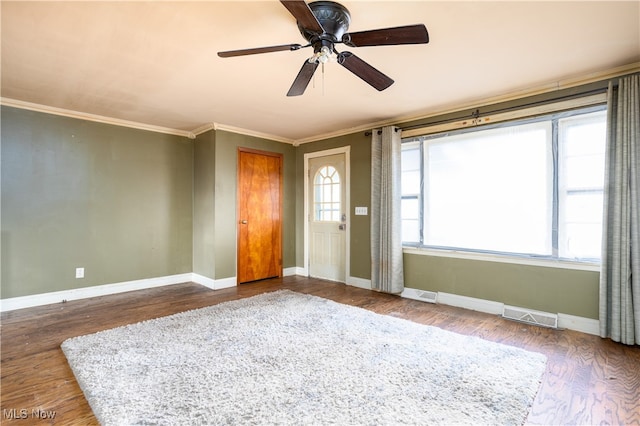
136, 125
93, 117
202, 129
288, 272
225, 283
202, 280
30, 301
213, 284
247, 132
303, 272
346, 150
416, 294
584, 101
582, 324
561, 264
566, 321
538, 90
359, 282
475, 304
546, 88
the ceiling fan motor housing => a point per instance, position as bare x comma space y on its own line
335, 20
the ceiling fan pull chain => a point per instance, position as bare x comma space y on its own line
323, 79
313, 81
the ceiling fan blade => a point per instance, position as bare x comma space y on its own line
365, 71
254, 51
303, 78
303, 14
409, 34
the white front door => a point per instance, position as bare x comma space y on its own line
327, 217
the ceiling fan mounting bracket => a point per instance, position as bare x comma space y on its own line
334, 19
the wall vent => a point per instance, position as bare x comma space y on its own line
422, 295
544, 319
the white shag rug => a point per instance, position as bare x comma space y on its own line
290, 358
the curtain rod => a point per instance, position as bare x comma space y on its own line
395, 129
476, 113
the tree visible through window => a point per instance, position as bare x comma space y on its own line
326, 184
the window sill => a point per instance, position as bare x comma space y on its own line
547, 263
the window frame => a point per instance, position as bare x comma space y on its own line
553, 259
320, 204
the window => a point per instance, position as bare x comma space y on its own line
532, 187
581, 180
326, 185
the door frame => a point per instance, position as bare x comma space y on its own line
279, 246
346, 150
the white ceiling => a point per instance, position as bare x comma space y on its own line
155, 63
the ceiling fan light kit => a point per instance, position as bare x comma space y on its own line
326, 23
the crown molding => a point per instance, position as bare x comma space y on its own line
567, 83
537, 90
347, 131
93, 117
247, 132
136, 125
202, 129
545, 88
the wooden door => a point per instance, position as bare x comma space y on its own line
260, 215
328, 217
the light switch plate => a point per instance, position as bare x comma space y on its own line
361, 211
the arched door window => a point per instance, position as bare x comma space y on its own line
327, 187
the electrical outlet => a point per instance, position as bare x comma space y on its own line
79, 272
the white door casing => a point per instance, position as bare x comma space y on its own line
327, 214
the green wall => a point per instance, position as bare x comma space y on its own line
114, 200
215, 179
360, 192
549, 289
204, 180
128, 204
124, 204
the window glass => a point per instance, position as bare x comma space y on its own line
581, 185
411, 189
490, 190
327, 195
502, 189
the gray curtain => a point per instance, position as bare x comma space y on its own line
386, 226
620, 270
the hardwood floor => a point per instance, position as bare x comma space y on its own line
589, 380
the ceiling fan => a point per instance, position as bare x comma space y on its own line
324, 24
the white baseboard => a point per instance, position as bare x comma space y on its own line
213, 284
480, 305
352, 281
33, 300
287, 272
30, 301
303, 272
582, 324
569, 322
421, 295
225, 283
359, 282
